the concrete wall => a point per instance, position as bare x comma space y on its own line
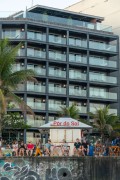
58, 168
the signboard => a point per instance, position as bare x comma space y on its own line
65, 123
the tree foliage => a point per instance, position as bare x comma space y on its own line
103, 121
71, 111
14, 120
9, 80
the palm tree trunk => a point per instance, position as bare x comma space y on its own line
0, 126
102, 136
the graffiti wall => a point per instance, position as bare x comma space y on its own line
47, 168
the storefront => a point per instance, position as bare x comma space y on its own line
65, 128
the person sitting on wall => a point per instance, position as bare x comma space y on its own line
98, 149
30, 148
77, 147
85, 148
64, 148
15, 147
22, 149
48, 147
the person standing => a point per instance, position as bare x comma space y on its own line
37, 150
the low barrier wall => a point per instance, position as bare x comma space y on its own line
60, 168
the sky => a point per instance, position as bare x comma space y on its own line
8, 7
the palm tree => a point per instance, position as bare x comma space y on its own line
71, 111
9, 80
103, 121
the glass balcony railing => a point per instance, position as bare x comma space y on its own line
55, 107
76, 92
13, 34
58, 56
36, 88
77, 58
36, 105
36, 36
21, 52
77, 42
103, 95
37, 69
56, 90
111, 111
102, 78
21, 87
102, 62
76, 75
36, 53
40, 71
57, 73
82, 109
67, 21
18, 67
57, 39
51, 118
35, 122
102, 46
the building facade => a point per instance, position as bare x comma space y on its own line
75, 59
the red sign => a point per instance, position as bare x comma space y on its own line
65, 123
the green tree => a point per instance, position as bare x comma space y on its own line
71, 111
14, 120
103, 121
9, 80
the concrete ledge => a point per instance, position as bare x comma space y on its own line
60, 168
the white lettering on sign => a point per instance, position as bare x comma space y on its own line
65, 123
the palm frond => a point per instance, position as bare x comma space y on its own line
21, 103
20, 76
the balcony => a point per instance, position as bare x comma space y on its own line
13, 34
96, 77
58, 56
36, 53
39, 70
68, 21
51, 118
21, 52
111, 111
102, 62
55, 107
57, 72
103, 95
35, 122
82, 109
58, 39
38, 36
18, 67
102, 46
53, 88
77, 58
36, 105
21, 87
36, 88
77, 42
76, 75
76, 92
